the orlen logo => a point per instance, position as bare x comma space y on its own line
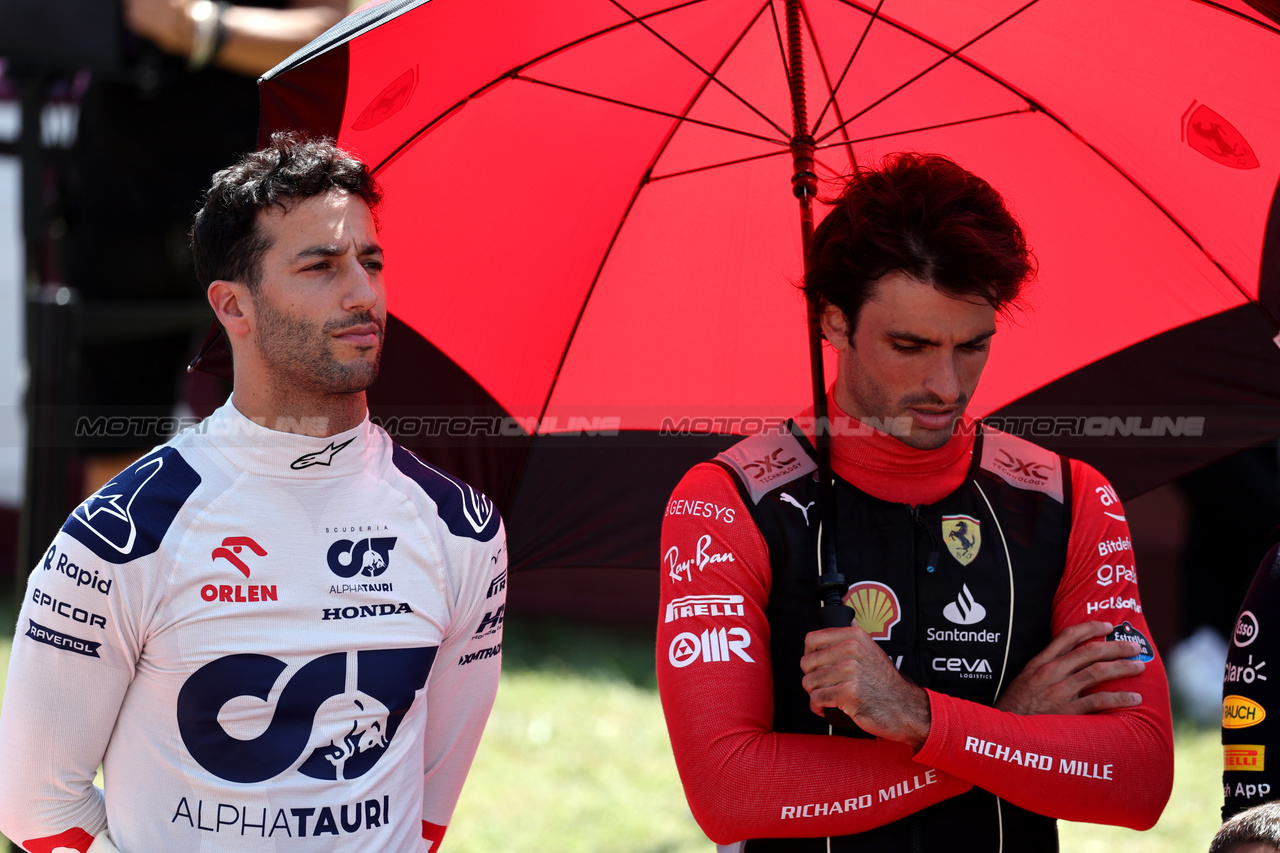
1246, 629
231, 548
1240, 712
338, 713
711, 645
768, 465
876, 607
1035, 473
230, 551
368, 557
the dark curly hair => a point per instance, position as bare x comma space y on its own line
926, 217
225, 239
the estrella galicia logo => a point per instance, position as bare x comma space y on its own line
331, 721
1125, 631
320, 457
368, 557
128, 517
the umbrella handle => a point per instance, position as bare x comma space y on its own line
837, 615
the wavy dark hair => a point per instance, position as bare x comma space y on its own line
225, 239
926, 217
1258, 825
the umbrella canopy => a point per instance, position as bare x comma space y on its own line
592, 241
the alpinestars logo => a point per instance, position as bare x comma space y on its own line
368, 557
320, 457
129, 517
114, 500
964, 610
338, 713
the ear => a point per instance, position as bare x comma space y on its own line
232, 304
835, 326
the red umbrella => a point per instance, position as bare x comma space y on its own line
592, 238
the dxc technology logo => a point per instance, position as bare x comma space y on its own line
339, 721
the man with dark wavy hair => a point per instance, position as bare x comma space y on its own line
992, 580
280, 628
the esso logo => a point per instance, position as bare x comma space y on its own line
1246, 629
1109, 574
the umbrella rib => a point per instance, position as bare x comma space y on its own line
654, 110
924, 128
831, 90
952, 54
511, 74
831, 101
833, 145
635, 196
1239, 15
711, 74
707, 168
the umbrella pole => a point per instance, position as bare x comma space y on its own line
804, 182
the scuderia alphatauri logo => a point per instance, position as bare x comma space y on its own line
332, 718
365, 558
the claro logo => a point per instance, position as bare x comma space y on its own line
339, 712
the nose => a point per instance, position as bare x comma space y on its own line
943, 380
362, 290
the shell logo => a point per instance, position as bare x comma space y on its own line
876, 608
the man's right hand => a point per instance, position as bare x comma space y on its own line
1055, 681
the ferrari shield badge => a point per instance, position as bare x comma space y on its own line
963, 535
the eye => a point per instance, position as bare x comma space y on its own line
905, 348
373, 265
978, 347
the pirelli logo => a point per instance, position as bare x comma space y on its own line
1244, 756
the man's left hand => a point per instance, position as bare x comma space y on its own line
844, 668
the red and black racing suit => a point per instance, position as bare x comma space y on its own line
965, 561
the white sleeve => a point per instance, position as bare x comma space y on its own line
463, 683
72, 661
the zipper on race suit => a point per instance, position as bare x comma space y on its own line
931, 565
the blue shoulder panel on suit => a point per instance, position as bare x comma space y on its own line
465, 511
129, 516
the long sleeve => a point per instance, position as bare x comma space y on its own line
463, 685
71, 664
1114, 767
742, 779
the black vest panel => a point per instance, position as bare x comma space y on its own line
958, 593
1251, 698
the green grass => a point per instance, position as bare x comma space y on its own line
576, 758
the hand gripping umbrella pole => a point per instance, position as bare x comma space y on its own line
831, 584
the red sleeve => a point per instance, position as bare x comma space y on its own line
742, 779
1114, 767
